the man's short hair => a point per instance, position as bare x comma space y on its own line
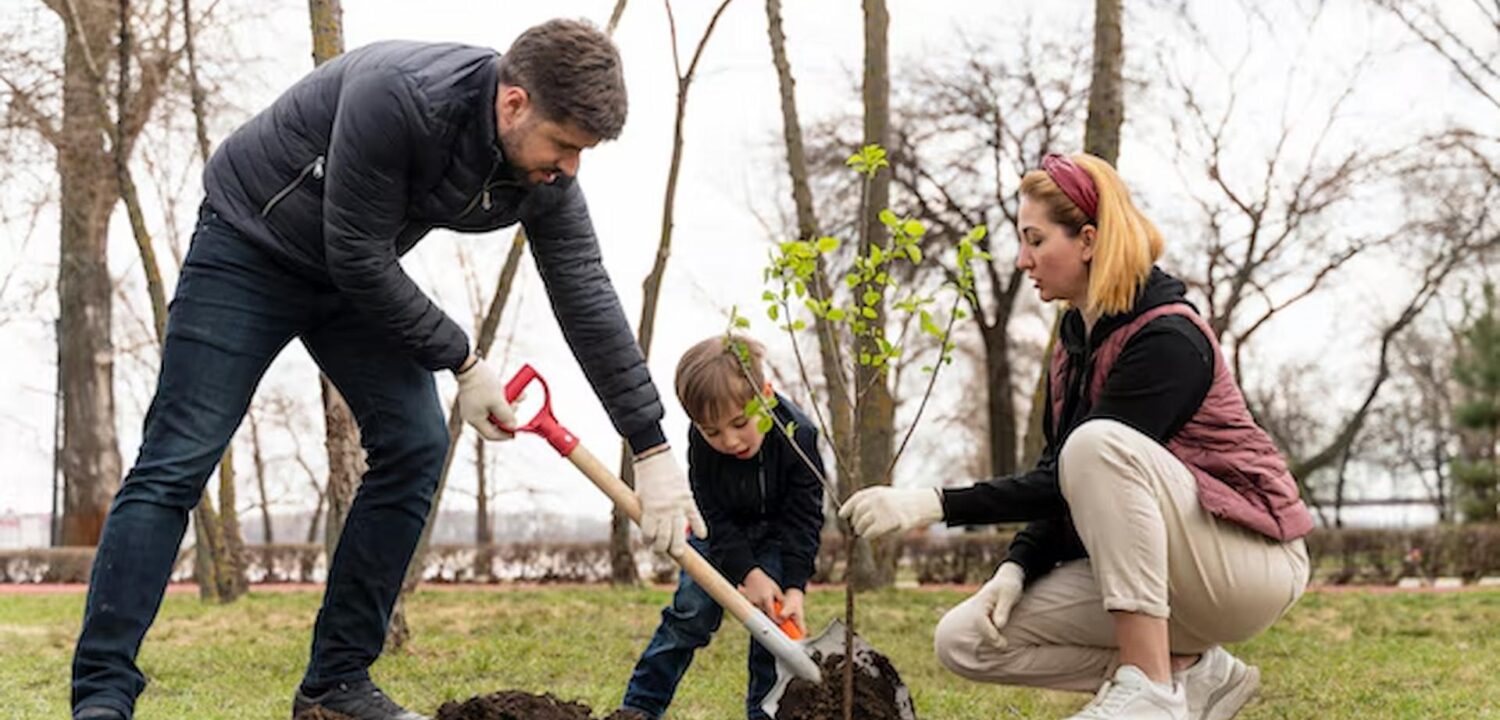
572, 72
712, 384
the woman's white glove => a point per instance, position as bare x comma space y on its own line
998, 597
481, 401
667, 506
877, 511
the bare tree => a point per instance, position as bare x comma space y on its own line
257, 455
89, 454
346, 456
1005, 113
1454, 32
830, 345
622, 564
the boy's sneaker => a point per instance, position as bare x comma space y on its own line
1218, 685
1133, 696
353, 700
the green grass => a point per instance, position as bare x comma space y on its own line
1347, 655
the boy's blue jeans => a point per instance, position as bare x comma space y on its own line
688, 624
233, 311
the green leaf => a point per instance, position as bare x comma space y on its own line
768, 296
835, 315
851, 279
888, 218
791, 429
773, 312
864, 358
799, 325
827, 244
868, 312
916, 254
914, 228
928, 326
741, 322
764, 423
871, 297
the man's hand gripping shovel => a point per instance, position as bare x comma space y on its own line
791, 657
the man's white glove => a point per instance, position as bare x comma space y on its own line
878, 511
481, 401
998, 597
667, 506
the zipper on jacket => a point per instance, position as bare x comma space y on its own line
762, 473
482, 198
314, 168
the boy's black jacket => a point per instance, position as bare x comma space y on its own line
770, 498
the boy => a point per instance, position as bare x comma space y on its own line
764, 509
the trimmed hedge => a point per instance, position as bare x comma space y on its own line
1340, 556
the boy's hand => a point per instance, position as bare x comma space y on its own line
792, 608
762, 591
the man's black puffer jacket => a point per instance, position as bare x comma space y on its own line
360, 159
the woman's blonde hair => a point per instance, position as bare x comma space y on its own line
1126, 243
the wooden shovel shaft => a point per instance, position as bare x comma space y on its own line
758, 623
691, 561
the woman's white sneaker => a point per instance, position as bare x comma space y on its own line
1133, 696
1218, 685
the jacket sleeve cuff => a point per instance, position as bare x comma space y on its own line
960, 506
643, 440
737, 563
1030, 558
794, 574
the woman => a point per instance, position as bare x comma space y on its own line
1163, 522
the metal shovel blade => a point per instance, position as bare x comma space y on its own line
831, 642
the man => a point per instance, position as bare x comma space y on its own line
309, 207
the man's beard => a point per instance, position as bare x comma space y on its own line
510, 143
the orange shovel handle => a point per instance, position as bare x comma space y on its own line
788, 626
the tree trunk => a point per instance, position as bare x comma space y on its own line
268, 534
1106, 101
346, 460
874, 563
232, 582
1001, 406
90, 455
346, 463
830, 354
483, 533
1102, 139
622, 565
398, 632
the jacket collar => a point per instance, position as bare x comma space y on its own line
1159, 289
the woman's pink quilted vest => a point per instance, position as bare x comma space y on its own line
1241, 476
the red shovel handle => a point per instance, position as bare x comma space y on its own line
544, 424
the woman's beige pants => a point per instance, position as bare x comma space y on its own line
1152, 549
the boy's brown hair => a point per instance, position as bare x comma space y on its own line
711, 383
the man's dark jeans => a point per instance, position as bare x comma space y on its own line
687, 625
235, 309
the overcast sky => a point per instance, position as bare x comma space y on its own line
731, 186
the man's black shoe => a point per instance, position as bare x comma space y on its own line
353, 700
97, 712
